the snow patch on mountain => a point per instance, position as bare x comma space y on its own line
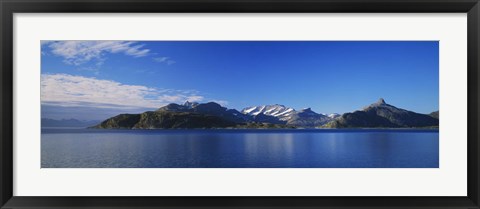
279, 111
334, 115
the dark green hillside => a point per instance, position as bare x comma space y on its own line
126, 121
360, 119
435, 114
164, 120
383, 115
169, 120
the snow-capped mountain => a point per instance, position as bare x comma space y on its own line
273, 114
305, 117
279, 111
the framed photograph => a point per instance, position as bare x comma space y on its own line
239, 104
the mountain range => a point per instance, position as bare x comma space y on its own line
212, 115
48, 122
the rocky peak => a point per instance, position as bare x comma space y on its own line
381, 101
190, 104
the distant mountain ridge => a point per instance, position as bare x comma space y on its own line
48, 122
213, 115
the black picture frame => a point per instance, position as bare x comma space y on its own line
9, 7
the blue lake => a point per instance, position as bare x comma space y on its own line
90, 148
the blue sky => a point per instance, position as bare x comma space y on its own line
95, 79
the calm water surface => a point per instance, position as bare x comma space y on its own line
88, 148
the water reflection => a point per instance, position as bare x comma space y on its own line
268, 150
244, 149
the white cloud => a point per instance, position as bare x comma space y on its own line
79, 52
70, 91
221, 102
166, 60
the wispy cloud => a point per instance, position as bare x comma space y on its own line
79, 52
70, 91
166, 60
221, 102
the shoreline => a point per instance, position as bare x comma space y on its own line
249, 129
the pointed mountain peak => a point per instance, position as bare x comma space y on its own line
381, 101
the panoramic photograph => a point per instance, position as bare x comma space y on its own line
239, 104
